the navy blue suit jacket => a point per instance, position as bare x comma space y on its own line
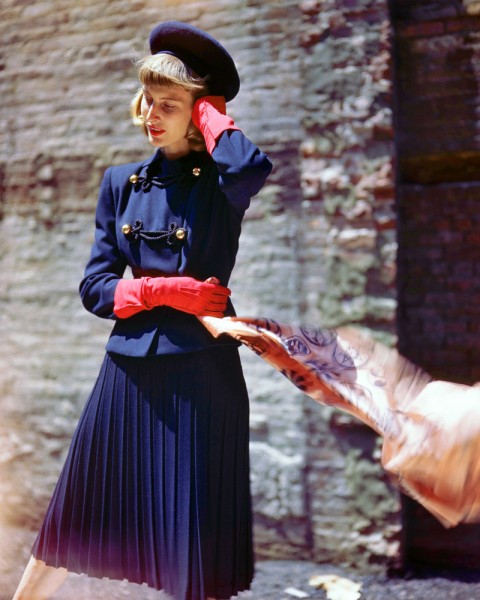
206, 197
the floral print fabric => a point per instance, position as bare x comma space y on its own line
430, 429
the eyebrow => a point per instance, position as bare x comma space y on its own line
173, 98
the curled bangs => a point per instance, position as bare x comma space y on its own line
168, 70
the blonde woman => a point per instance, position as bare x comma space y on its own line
155, 488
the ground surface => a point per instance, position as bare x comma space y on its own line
274, 580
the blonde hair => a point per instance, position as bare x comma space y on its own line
170, 71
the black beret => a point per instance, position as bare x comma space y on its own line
199, 51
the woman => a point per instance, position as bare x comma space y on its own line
155, 488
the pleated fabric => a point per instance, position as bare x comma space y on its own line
155, 488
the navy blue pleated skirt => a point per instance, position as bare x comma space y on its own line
155, 488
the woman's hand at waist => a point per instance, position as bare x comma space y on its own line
182, 293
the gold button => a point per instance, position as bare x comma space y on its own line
180, 233
127, 228
196, 171
134, 179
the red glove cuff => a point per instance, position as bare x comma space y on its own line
209, 116
128, 299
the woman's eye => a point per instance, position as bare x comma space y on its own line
169, 107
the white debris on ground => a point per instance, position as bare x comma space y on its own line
337, 588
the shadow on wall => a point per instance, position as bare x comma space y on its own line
437, 54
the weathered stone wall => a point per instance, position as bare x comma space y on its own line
437, 51
318, 243
348, 255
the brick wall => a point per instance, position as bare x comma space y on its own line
440, 274
67, 79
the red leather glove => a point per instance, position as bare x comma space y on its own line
209, 116
183, 293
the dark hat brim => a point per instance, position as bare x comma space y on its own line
199, 51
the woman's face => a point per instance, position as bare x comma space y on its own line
167, 112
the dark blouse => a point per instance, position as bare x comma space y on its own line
173, 217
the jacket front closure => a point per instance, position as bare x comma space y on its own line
152, 231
